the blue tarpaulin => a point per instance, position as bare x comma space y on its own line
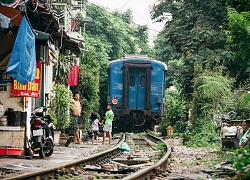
22, 64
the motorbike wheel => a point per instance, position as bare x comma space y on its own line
41, 152
49, 152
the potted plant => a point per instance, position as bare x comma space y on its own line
57, 133
60, 105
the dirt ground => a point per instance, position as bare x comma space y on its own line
196, 163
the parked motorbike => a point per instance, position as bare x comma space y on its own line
220, 119
42, 133
225, 118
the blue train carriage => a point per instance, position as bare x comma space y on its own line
137, 90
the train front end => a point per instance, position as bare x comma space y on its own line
137, 91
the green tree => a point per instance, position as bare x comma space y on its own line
117, 33
213, 87
61, 102
175, 115
111, 38
96, 45
196, 31
89, 84
210, 90
238, 40
237, 101
163, 50
239, 5
60, 105
127, 16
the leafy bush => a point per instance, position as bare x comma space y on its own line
202, 137
89, 86
53, 117
242, 162
60, 105
175, 113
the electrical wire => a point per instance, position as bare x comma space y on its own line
36, 6
124, 5
14, 5
35, 10
136, 12
119, 17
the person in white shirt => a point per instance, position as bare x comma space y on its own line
94, 127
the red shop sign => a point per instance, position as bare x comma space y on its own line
30, 89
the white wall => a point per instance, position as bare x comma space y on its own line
15, 103
10, 101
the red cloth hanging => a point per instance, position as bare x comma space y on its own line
73, 76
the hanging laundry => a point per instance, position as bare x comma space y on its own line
22, 64
4, 22
73, 76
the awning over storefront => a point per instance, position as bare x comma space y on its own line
71, 40
75, 36
41, 35
84, 20
75, 41
14, 14
8, 36
6, 45
45, 25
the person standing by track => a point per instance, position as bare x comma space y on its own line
94, 127
76, 117
107, 121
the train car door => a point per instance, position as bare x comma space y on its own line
136, 89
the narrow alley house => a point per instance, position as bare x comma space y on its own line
29, 31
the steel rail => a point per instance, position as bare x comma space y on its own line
99, 157
145, 173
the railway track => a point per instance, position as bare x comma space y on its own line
153, 170
106, 164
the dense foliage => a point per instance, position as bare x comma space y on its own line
175, 115
213, 38
113, 36
89, 85
60, 104
238, 38
192, 33
205, 45
241, 162
62, 66
116, 32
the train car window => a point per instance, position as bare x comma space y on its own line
143, 81
132, 81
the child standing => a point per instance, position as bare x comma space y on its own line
94, 127
107, 121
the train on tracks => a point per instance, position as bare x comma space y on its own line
136, 88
